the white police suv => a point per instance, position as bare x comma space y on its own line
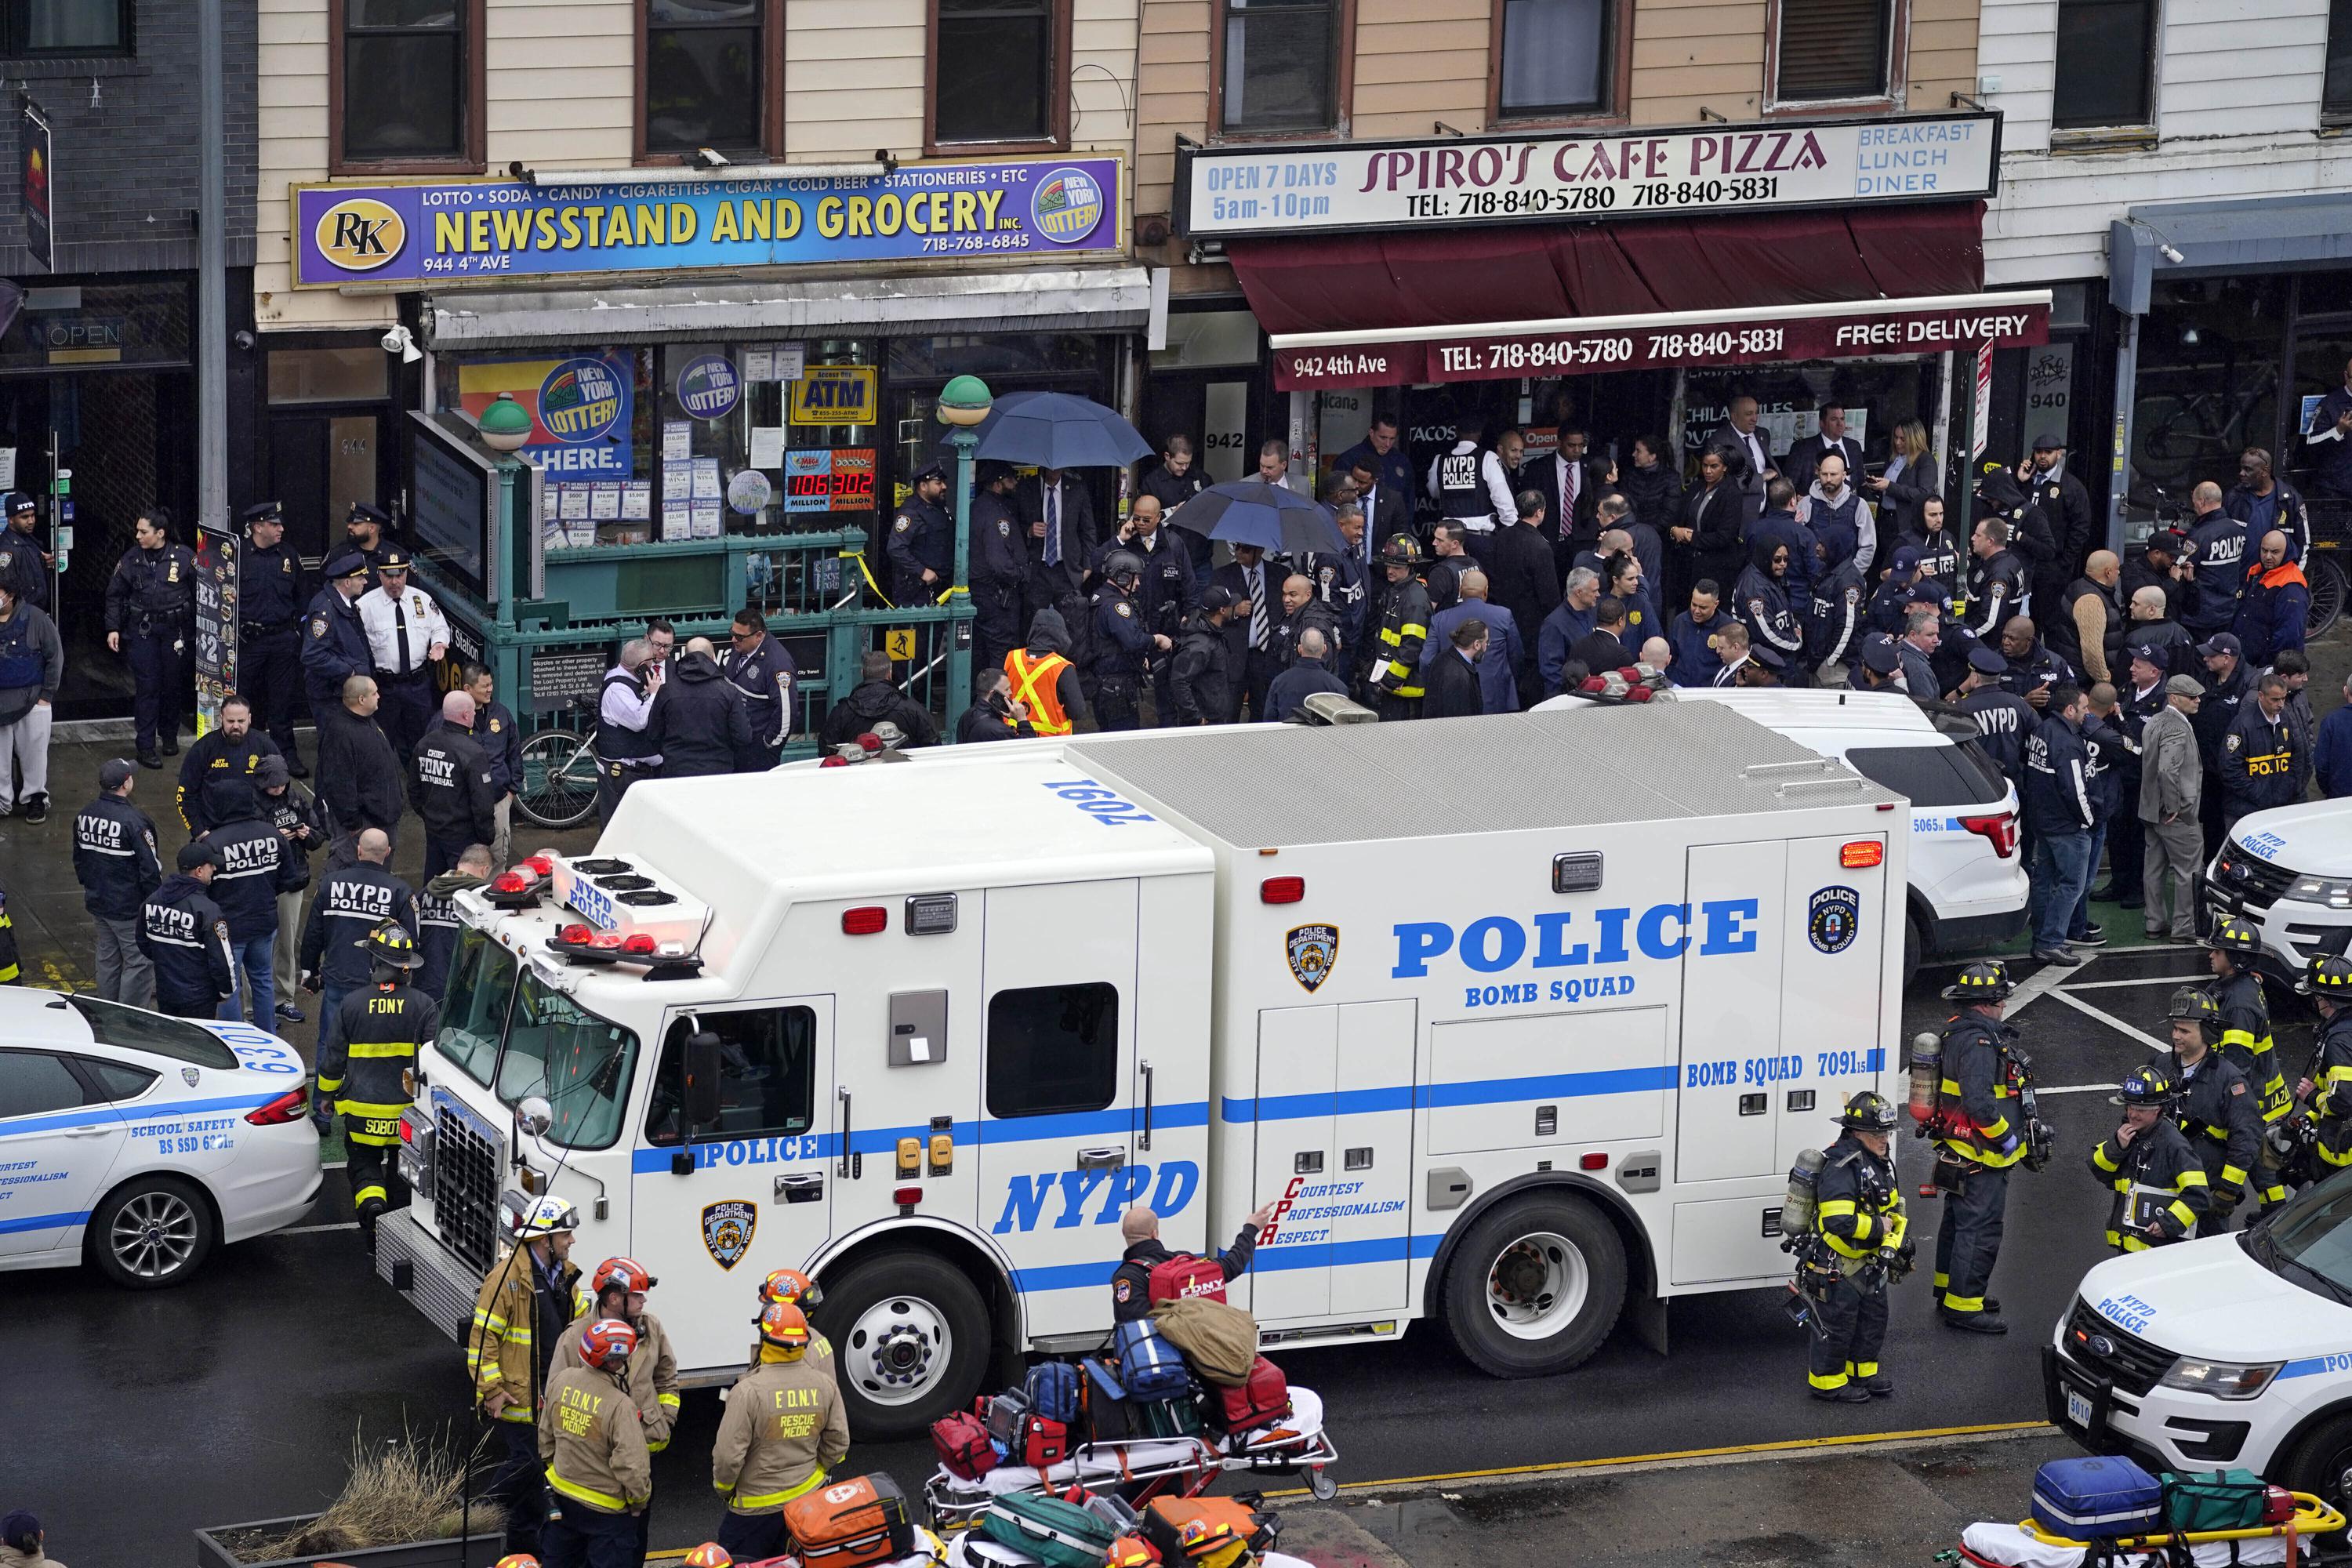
2288, 873
2225, 1351
138, 1143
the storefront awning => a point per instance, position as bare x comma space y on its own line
2239, 234
1047, 299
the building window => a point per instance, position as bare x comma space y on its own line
1832, 50
64, 27
703, 76
404, 80
2105, 51
1280, 63
1555, 58
2336, 97
994, 71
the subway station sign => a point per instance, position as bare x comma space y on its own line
434, 231
1773, 166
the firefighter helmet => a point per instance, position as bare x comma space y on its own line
709, 1554
2234, 936
607, 1342
517, 1559
1132, 1552
1401, 549
545, 1216
783, 1325
2145, 1086
1986, 981
1868, 1113
2194, 1006
2331, 976
791, 1285
625, 1272
391, 945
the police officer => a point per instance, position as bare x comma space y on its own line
438, 920
363, 530
232, 748
784, 1429
406, 635
2161, 1189
1167, 586
182, 932
1405, 626
2218, 1110
501, 742
2213, 564
255, 865
2263, 762
2237, 992
116, 862
1860, 1246
1344, 583
1977, 1145
1202, 678
921, 549
24, 564
367, 1073
151, 602
2329, 1091
453, 787
269, 627
1996, 581
334, 641
999, 563
758, 666
1122, 643
1469, 485
593, 1442
2003, 718
296, 815
353, 901
1138, 1227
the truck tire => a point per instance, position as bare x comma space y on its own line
2321, 1462
150, 1233
1534, 1286
910, 1336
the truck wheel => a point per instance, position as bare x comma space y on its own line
1534, 1286
150, 1233
910, 1336
2321, 1464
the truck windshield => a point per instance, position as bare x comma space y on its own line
582, 1063
474, 1007
2308, 1241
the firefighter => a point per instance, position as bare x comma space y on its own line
368, 1072
1860, 1247
2330, 1097
796, 1288
2161, 1189
1405, 626
1131, 1282
524, 1305
2216, 1108
1977, 1143
618, 1290
786, 1425
593, 1444
2237, 991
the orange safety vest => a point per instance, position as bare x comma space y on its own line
1038, 684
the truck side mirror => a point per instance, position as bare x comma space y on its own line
701, 1080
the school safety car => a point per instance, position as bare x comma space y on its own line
138, 1143
2288, 872
2226, 1351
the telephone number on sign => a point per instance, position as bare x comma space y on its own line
1540, 356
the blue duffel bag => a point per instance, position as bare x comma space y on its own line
2097, 1499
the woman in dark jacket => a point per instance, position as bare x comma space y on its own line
1761, 600
1655, 489
1621, 578
1911, 477
1712, 521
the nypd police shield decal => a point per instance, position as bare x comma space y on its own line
1313, 951
727, 1230
1833, 918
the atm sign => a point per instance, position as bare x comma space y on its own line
835, 395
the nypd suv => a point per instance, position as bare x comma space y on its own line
2288, 873
138, 1143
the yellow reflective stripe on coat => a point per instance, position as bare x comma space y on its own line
379, 1048
666, 1401
590, 1495
770, 1499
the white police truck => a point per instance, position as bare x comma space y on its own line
1518, 1019
2228, 1350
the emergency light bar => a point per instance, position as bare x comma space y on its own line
618, 898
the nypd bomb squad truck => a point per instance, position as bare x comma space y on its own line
1518, 1019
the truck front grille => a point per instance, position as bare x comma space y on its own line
466, 1188
2093, 1343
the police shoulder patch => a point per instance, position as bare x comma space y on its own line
1122, 608
1004, 528
317, 626
901, 523
1122, 1290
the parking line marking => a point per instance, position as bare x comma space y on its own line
2076, 1088
2040, 983
2111, 1021
2151, 980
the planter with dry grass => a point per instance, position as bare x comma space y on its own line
401, 1509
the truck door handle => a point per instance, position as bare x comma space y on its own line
842, 1162
804, 1189
1143, 1143
1092, 1159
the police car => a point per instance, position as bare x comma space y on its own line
1969, 885
2288, 874
138, 1143
2228, 1350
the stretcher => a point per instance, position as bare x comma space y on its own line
971, 1548
1137, 1471
2026, 1544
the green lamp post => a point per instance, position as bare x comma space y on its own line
964, 403
505, 424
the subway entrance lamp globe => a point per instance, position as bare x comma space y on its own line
964, 401
505, 424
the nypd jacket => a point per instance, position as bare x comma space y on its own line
1131, 1282
2057, 779
2005, 721
1694, 662
501, 742
2160, 1188
452, 787
256, 864
2263, 763
2217, 555
297, 818
114, 858
353, 900
181, 931
436, 910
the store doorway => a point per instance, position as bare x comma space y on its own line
319, 463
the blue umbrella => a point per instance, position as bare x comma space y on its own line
1058, 430
1251, 511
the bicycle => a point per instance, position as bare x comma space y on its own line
558, 788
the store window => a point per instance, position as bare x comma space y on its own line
996, 71
1279, 66
1828, 51
2335, 95
1555, 58
2208, 382
64, 27
2106, 50
407, 80
704, 75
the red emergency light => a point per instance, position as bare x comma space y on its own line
1282, 889
865, 920
1862, 855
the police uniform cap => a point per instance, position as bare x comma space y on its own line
350, 563
394, 561
192, 855
990, 470
363, 513
931, 472
263, 511
114, 772
1924, 592
1214, 598
1878, 655
2046, 442
1986, 659
1768, 657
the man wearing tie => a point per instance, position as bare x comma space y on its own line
1569, 495
1741, 430
1249, 635
1806, 455
1375, 497
407, 636
1058, 516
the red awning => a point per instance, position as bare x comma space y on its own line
1365, 284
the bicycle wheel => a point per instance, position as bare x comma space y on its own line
558, 779
2326, 595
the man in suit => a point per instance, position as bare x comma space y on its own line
1523, 579
1807, 454
1742, 432
1381, 502
1570, 495
1250, 653
1498, 684
1452, 678
1057, 522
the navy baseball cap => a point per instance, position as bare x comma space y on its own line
1907, 560
114, 773
2222, 642
350, 563
192, 855
1214, 598
1986, 659
1878, 654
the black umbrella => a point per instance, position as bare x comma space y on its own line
1058, 430
1251, 511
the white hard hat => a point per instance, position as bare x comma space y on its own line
543, 1217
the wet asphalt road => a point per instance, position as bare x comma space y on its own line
239, 1396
